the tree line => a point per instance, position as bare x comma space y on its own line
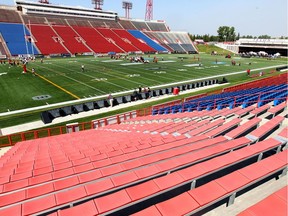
227, 33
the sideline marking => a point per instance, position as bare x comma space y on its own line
59, 87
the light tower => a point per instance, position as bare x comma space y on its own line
98, 4
127, 6
149, 10
44, 1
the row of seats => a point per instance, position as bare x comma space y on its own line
77, 39
275, 204
244, 98
122, 169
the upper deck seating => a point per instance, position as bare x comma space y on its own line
112, 24
9, 16
126, 24
140, 25
15, 36
29, 19
157, 26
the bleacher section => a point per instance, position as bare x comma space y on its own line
143, 38
125, 45
65, 41
176, 41
275, 204
91, 35
16, 39
127, 24
9, 16
141, 26
168, 164
72, 41
157, 26
244, 98
133, 40
48, 43
33, 20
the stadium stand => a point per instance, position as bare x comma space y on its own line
90, 35
157, 26
168, 155
16, 38
71, 39
141, 26
48, 43
129, 37
66, 39
184, 158
151, 43
127, 24
124, 44
28, 19
9, 16
277, 199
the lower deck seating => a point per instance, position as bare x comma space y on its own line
16, 38
163, 164
71, 39
96, 41
48, 43
275, 204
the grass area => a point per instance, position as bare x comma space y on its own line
203, 48
63, 80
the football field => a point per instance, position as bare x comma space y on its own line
62, 79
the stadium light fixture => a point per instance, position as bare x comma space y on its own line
98, 4
127, 6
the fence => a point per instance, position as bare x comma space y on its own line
10, 140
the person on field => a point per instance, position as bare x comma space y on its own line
33, 72
110, 98
248, 72
82, 68
24, 69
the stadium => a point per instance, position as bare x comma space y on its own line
107, 115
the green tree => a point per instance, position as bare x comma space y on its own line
264, 37
238, 36
226, 33
206, 37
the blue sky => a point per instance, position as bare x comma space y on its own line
249, 17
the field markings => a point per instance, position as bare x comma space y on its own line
133, 63
34, 109
63, 74
59, 87
166, 61
103, 80
141, 73
126, 74
127, 80
112, 61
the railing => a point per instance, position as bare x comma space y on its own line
10, 140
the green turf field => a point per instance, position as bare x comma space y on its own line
63, 80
